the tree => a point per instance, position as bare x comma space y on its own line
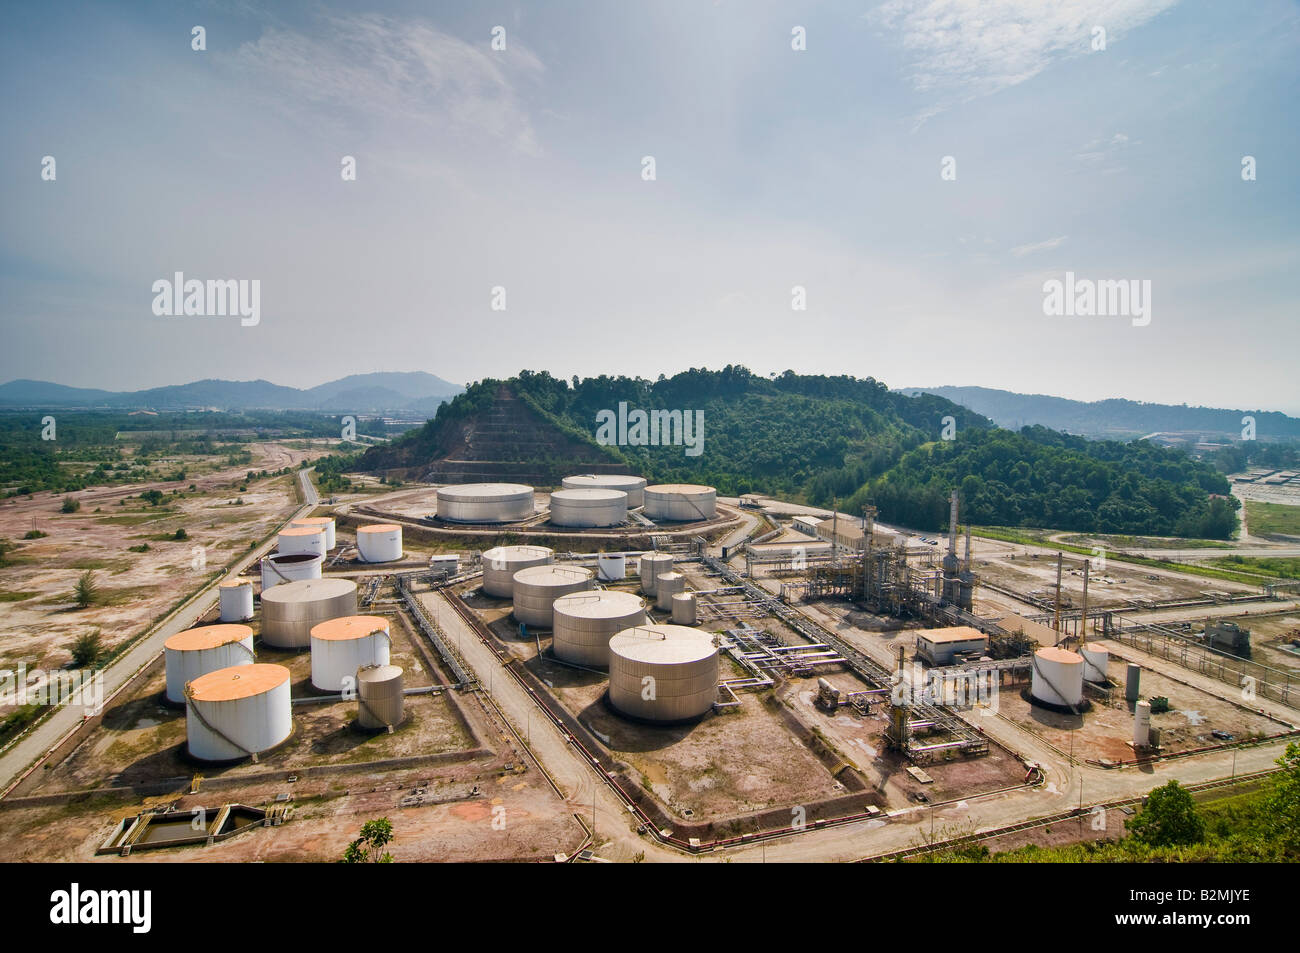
87, 650
1283, 802
180, 534
70, 505
6, 547
369, 847
86, 592
1169, 819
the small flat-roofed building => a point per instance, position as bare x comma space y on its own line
942, 646
807, 524
845, 533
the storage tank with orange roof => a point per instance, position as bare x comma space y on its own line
302, 539
341, 646
379, 542
234, 713
208, 648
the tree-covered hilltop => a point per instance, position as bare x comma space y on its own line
822, 439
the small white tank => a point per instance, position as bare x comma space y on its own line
652, 564
302, 539
1142, 724
325, 523
195, 652
1096, 663
278, 568
667, 585
235, 598
379, 542
684, 608
501, 564
341, 646
235, 712
537, 588
611, 567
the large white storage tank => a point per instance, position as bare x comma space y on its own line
681, 502
1096, 663
501, 564
588, 507
652, 566
325, 523
633, 486
208, 648
663, 673
1057, 678
537, 588
235, 600
485, 503
289, 611
236, 712
341, 646
302, 539
666, 586
584, 622
379, 542
278, 568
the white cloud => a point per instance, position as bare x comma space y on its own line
1020, 251
371, 66
964, 49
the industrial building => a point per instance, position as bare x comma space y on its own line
1227, 636
951, 645
844, 533
485, 503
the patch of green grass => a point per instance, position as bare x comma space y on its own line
1273, 518
12, 595
1272, 567
1146, 542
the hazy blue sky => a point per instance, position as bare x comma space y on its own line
775, 168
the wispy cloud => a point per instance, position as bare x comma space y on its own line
373, 66
1020, 251
963, 49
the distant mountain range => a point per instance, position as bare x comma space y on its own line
1115, 419
414, 391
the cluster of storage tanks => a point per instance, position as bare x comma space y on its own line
584, 501
1059, 674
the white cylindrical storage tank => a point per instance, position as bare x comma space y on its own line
379, 542
485, 503
380, 702
684, 608
278, 568
633, 486
1057, 678
341, 646
681, 502
667, 585
1096, 663
208, 648
319, 522
663, 673
652, 564
235, 600
584, 622
537, 588
302, 539
590, 506
289, 611
1142, 724
501, 564
611, 567
235, 712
